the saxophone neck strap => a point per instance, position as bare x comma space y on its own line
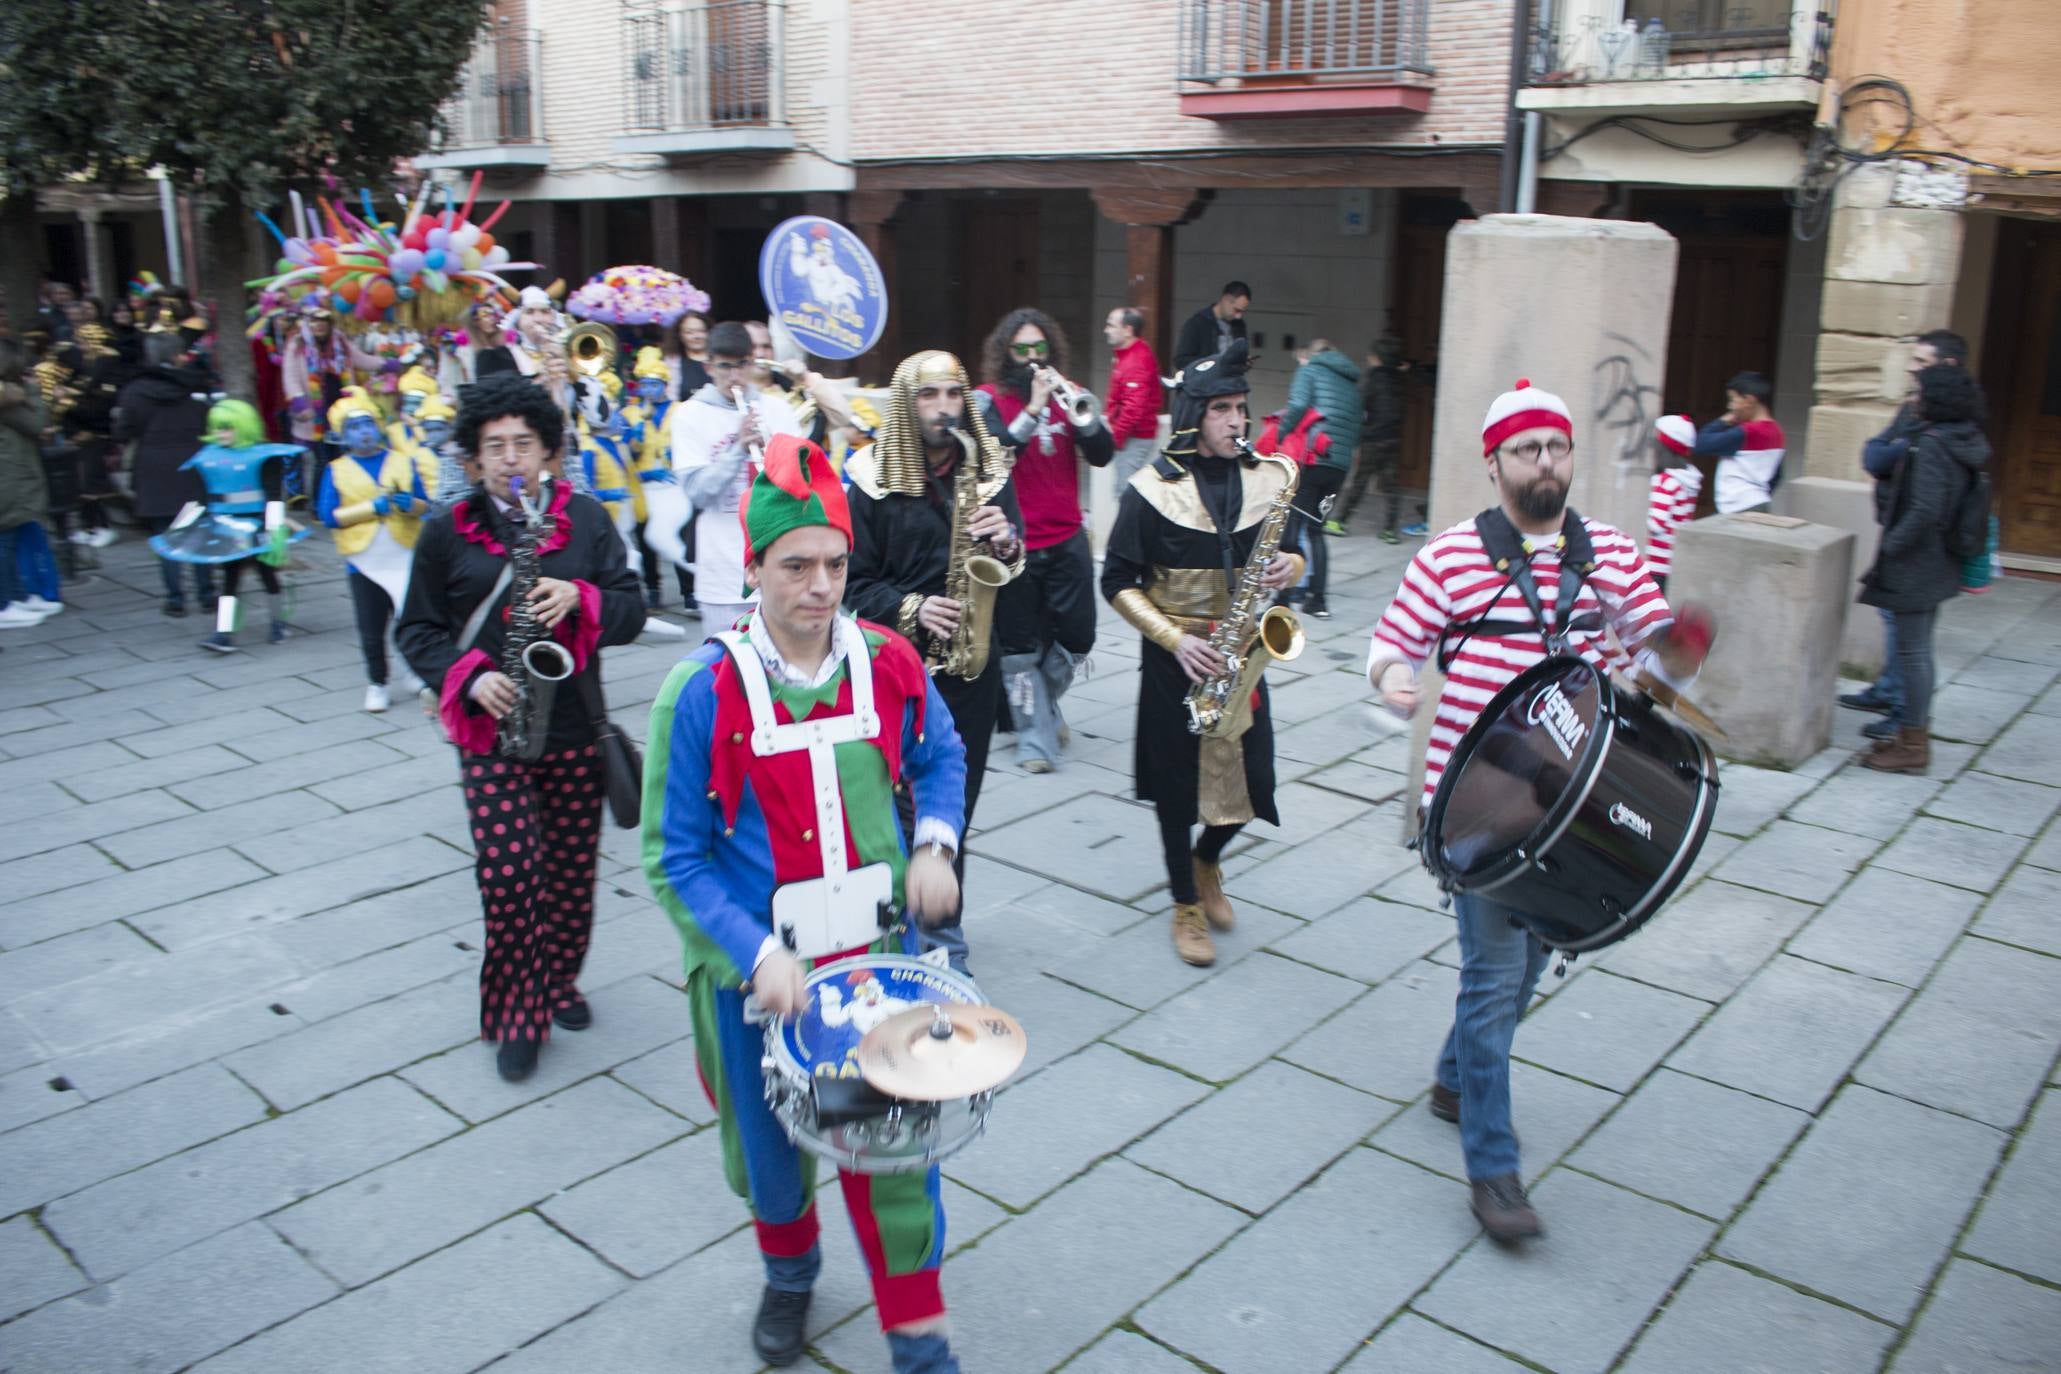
478, 618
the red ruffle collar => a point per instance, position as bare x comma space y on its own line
466, 518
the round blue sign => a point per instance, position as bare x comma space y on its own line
820, 282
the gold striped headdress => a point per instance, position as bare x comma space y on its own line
898, 446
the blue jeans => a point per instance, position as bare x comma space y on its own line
1500, 964
10, 574
1889, 683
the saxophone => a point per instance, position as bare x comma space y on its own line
971, 578
1220, 707
530, 658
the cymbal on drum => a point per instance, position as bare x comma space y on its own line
941, 1051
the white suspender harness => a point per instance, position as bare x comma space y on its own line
842, 909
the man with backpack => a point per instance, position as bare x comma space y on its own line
1328, 384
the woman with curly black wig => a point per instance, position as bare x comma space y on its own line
1915, 571
535, 824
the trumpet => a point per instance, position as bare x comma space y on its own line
591, 347
1079, 403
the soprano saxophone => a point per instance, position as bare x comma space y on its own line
530, 658
971, 578
1219, 706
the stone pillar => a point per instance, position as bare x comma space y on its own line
100, 271
1579, 306
1893, 255
1148, 217
1779, 588
871, 216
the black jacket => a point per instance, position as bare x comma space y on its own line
1914, 570
1381, 392
452, 574
166, 412
901, 546
1198, 336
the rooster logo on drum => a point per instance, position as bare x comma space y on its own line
870, 1004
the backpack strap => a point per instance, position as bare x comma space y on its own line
1505, 549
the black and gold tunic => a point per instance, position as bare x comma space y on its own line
1166, 544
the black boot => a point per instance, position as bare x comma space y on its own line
517, 1059
778, 1333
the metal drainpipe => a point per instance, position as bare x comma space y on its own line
1528, 157
168, 207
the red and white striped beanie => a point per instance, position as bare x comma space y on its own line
1525, 408
1677, 433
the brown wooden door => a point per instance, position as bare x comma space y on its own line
2023, 366
999, 256
1419, 293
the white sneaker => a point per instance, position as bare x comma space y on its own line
410, 684
376, 698
40, 606
663, 629
102, 537
16, 616
80, 536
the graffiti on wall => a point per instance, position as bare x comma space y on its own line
1625, 401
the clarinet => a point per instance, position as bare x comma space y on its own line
530, 658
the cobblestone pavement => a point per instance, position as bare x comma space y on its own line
1808, 1121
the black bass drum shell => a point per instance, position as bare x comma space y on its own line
1575, 803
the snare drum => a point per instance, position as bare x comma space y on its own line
1574, 802
812, 1069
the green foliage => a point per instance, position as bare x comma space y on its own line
59, 64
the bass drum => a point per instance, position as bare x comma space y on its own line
1574, 802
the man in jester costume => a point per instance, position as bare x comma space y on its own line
730, 837
374, 497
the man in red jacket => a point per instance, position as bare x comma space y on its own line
1135, 393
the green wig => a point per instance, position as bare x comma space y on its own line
241, 417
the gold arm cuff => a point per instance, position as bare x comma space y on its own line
356, 515
905, 619
1147, 619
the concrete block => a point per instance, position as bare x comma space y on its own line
1224, 1027
1634, 1252
438, 1317
1552, 1112
1791, 1033
1687, 1141
1339, 1258
1899, 246
33, 1270
1806, 862
1706, 944
167, 1316
1861, 367
1057, 1123
1960, 855
134, 1218
1883, 309
1727, 1321
1607, 1031
1835, 500
1780, 596
1407, 1017
1981, 1318
396, 1214
126, 1131
1835, 434
1887, 925
1979, 1039
1312, 1119
1820, 1221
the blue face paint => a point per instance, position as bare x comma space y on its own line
363, 436
436, 431
652, 389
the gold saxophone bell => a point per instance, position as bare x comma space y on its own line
985, 576
591, 346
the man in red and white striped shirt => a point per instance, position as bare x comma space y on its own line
1528, 443
1672, 502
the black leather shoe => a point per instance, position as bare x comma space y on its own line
1503, 1210
1883, 729
777, 1333
517, 1059
1864, 701
576, 1017
1445, 1103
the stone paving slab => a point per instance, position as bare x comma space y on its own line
2014, 1227
1860, 802
1707, 943
1369, 940
1137, 967
2025, 911
1993, 803
151, 1052
1387, 1042
1691, 1142
1727, 1321
67, 959
2030, 750
1979, 1038
1342, 1255
1630, 1252
1983, 1321
33, 1271
1806, 862
450, 1313
655, 1210
130, 1219
168, 1315
1127, 1352
1944, 852
331, 1055
1551, 1112
1887, 925
407, 1209
119, 894
1412, 1345
1607, 1030
1231, 1023
1820, 1222
105, 822
1791, 1033
1312, 1121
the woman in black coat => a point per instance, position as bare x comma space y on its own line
165, 411
1914, 570
535, 824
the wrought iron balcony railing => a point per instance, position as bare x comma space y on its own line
1279, 41
1679, 40
499, 100
717, 65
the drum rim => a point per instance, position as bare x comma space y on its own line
1557, 817
791, 1066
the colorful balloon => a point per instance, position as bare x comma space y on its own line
382, 292
440, 238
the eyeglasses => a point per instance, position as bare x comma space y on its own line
1531, 449
1037, 349
500, 448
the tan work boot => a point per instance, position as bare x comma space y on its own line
1209, 886
1910, 752
1191, 936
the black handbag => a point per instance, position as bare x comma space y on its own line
622, 767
